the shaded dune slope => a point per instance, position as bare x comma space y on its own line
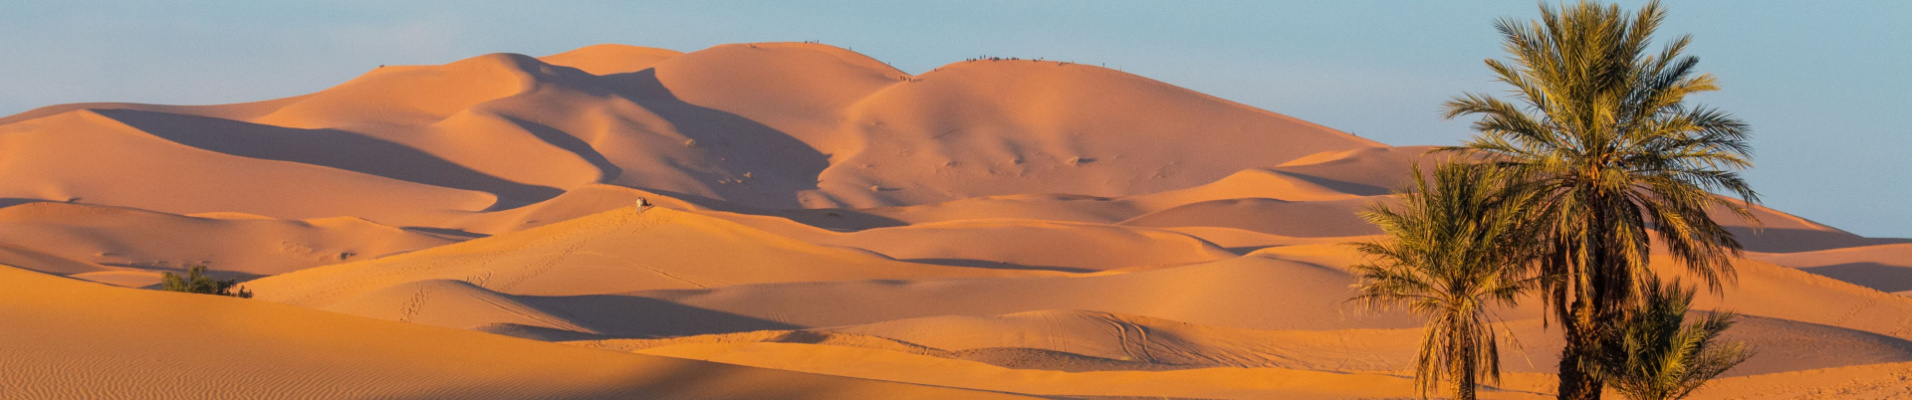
1886, 267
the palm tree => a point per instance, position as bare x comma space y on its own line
1656, 356
1454, 251
1599, 131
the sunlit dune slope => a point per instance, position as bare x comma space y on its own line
236, 111
123, 237
62, 342
88, 157
772, 125
607, 59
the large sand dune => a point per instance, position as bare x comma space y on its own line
822, 224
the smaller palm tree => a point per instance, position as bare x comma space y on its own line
1455, 250
1658, 356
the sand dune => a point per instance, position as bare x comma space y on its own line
1257, 182
1040, 245
1883, 380
1873, 381
607, 59
1294, 219
575, 203
1237, 292
1886, 267
72, 339
48, 263
453, 304
840, 129
1245, 241
1778, 232
1076, 341
1773, 291
123, 237
617, 251
1149, 340
1247, 292
1217, 383
84, 156
1010, 226
236, 111
1253, 183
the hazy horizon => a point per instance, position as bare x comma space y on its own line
1823, 85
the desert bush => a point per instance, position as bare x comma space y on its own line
196, 281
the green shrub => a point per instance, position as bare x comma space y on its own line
196, 281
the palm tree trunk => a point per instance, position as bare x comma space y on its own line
1591, 311
1464, 381
1576, 383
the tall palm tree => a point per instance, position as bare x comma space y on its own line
1453, 252
1599, 130
1657, 356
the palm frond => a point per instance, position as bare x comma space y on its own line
1655, 354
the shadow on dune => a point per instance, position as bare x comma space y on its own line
558, 138
1358, 189
1773, 240
1881, 277
537, 333
329, 148
12, 201
780, 165
959, 262
840, 220
1244, 250
448, 233
643, 317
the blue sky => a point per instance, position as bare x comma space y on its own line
1827, 86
